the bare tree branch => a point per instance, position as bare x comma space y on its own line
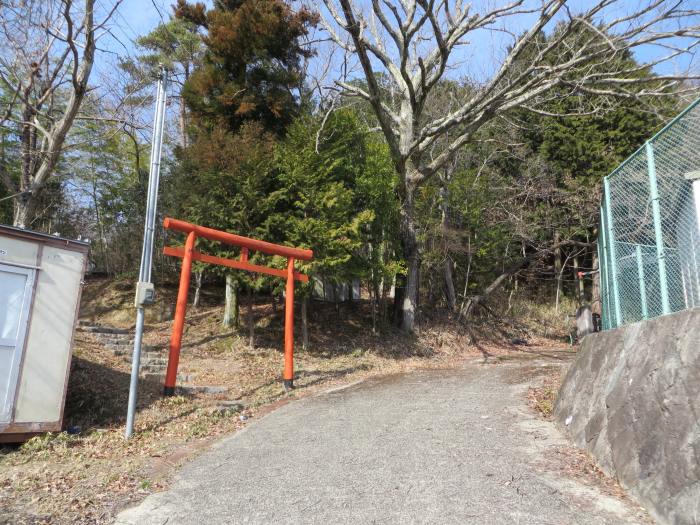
48, 48
406, 48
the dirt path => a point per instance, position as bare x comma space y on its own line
455, 446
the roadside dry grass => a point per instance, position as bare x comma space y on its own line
542, 397
88, 475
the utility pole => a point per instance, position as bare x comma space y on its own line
144, 287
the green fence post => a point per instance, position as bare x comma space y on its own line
603, 274
603, 265
610, 244
606, 258
601, 282
642, 283
656, 212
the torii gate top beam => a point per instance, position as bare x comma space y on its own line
238, 240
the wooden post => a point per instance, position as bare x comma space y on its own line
179, 322
288, 376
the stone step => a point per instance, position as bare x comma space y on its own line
145, 354
148, 355
113, 338
120, 340
119, 346
200, 389
154, 362
150, 364
99, 329
160, 377
154, 356
154, 349
160, 370
146, 350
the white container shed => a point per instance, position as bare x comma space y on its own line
40, 285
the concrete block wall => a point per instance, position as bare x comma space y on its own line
632, 399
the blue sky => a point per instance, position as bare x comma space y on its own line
134, 18
138, 17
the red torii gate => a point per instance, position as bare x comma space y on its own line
188, 254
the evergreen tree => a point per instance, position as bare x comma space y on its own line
176, 45
335, 195
240, 98
252, 63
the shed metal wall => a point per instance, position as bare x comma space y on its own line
18, 251
48, 348
45, 363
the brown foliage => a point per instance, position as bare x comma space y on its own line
252, 63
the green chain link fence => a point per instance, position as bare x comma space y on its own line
649, 240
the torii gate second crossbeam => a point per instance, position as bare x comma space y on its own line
189, 254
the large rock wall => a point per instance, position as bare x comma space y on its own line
632, 399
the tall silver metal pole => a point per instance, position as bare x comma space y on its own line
144, 288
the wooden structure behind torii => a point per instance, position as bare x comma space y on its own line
189, 254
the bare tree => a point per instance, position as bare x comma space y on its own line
414, 44
46, 57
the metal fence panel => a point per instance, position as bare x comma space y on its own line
649, 236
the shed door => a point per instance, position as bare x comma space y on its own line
15, 295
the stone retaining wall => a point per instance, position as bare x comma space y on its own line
632, 399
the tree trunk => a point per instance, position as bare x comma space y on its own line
432, 295
375, 291
373, 303
251, 319
449, 285
409, 241
560, 276
558, 294
23, 211
399, 294
495, 285
100, 226
182, 123
383, 310
198, 287
183, 111
557, 267
231, 309
304, 323
462, 306
450, 294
